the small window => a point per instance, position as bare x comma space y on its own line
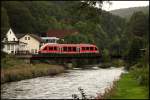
95, 48
83, 48
87, 48
46, 41
14, 39
50, 48
12, 47
55, 48
91, 48
32, 50
35, 51
28, 38
10, 32
69, 48
25, 38
8, 47
64, 48
74, 49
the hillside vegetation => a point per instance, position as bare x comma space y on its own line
127, 12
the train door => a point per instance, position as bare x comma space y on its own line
78, 49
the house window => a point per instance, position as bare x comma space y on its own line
35, 51
8, 47
10, 32
32, 51
28, 38
46, 41
25, 38
12, 47
14, 39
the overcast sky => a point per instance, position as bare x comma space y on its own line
124, 4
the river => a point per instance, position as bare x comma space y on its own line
62, 86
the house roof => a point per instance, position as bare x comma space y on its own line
36, 37
32, 35
19, 35
60, 33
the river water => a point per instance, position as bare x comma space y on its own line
62, 86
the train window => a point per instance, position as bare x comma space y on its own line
45, 48
69, 48
95, 48
83, 48
50, 48
87, 48
74, 49
55, 48
91, 48
64, 48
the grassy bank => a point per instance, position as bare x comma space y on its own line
128, 88
26, 71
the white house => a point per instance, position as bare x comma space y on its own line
33, 42
11, 44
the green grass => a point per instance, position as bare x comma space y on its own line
128, 88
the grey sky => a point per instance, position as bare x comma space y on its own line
124, 4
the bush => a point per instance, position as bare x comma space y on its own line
118, 63
105, 56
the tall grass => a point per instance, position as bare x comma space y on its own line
26, 71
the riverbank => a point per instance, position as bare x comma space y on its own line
27, 71
128, 88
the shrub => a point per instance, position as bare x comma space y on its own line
118, 63
105, 56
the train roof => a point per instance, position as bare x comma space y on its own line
50, 44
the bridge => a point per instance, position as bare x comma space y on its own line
60, 58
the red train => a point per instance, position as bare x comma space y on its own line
68, 48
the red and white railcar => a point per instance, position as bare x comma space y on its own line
68, 48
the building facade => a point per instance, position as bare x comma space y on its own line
33, 42
11, 44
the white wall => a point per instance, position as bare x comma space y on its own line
32, 43
11, 36
8, 48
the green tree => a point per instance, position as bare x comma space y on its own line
134, 53
21, 20
137, 24
79, 38
4, 22
106, 55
